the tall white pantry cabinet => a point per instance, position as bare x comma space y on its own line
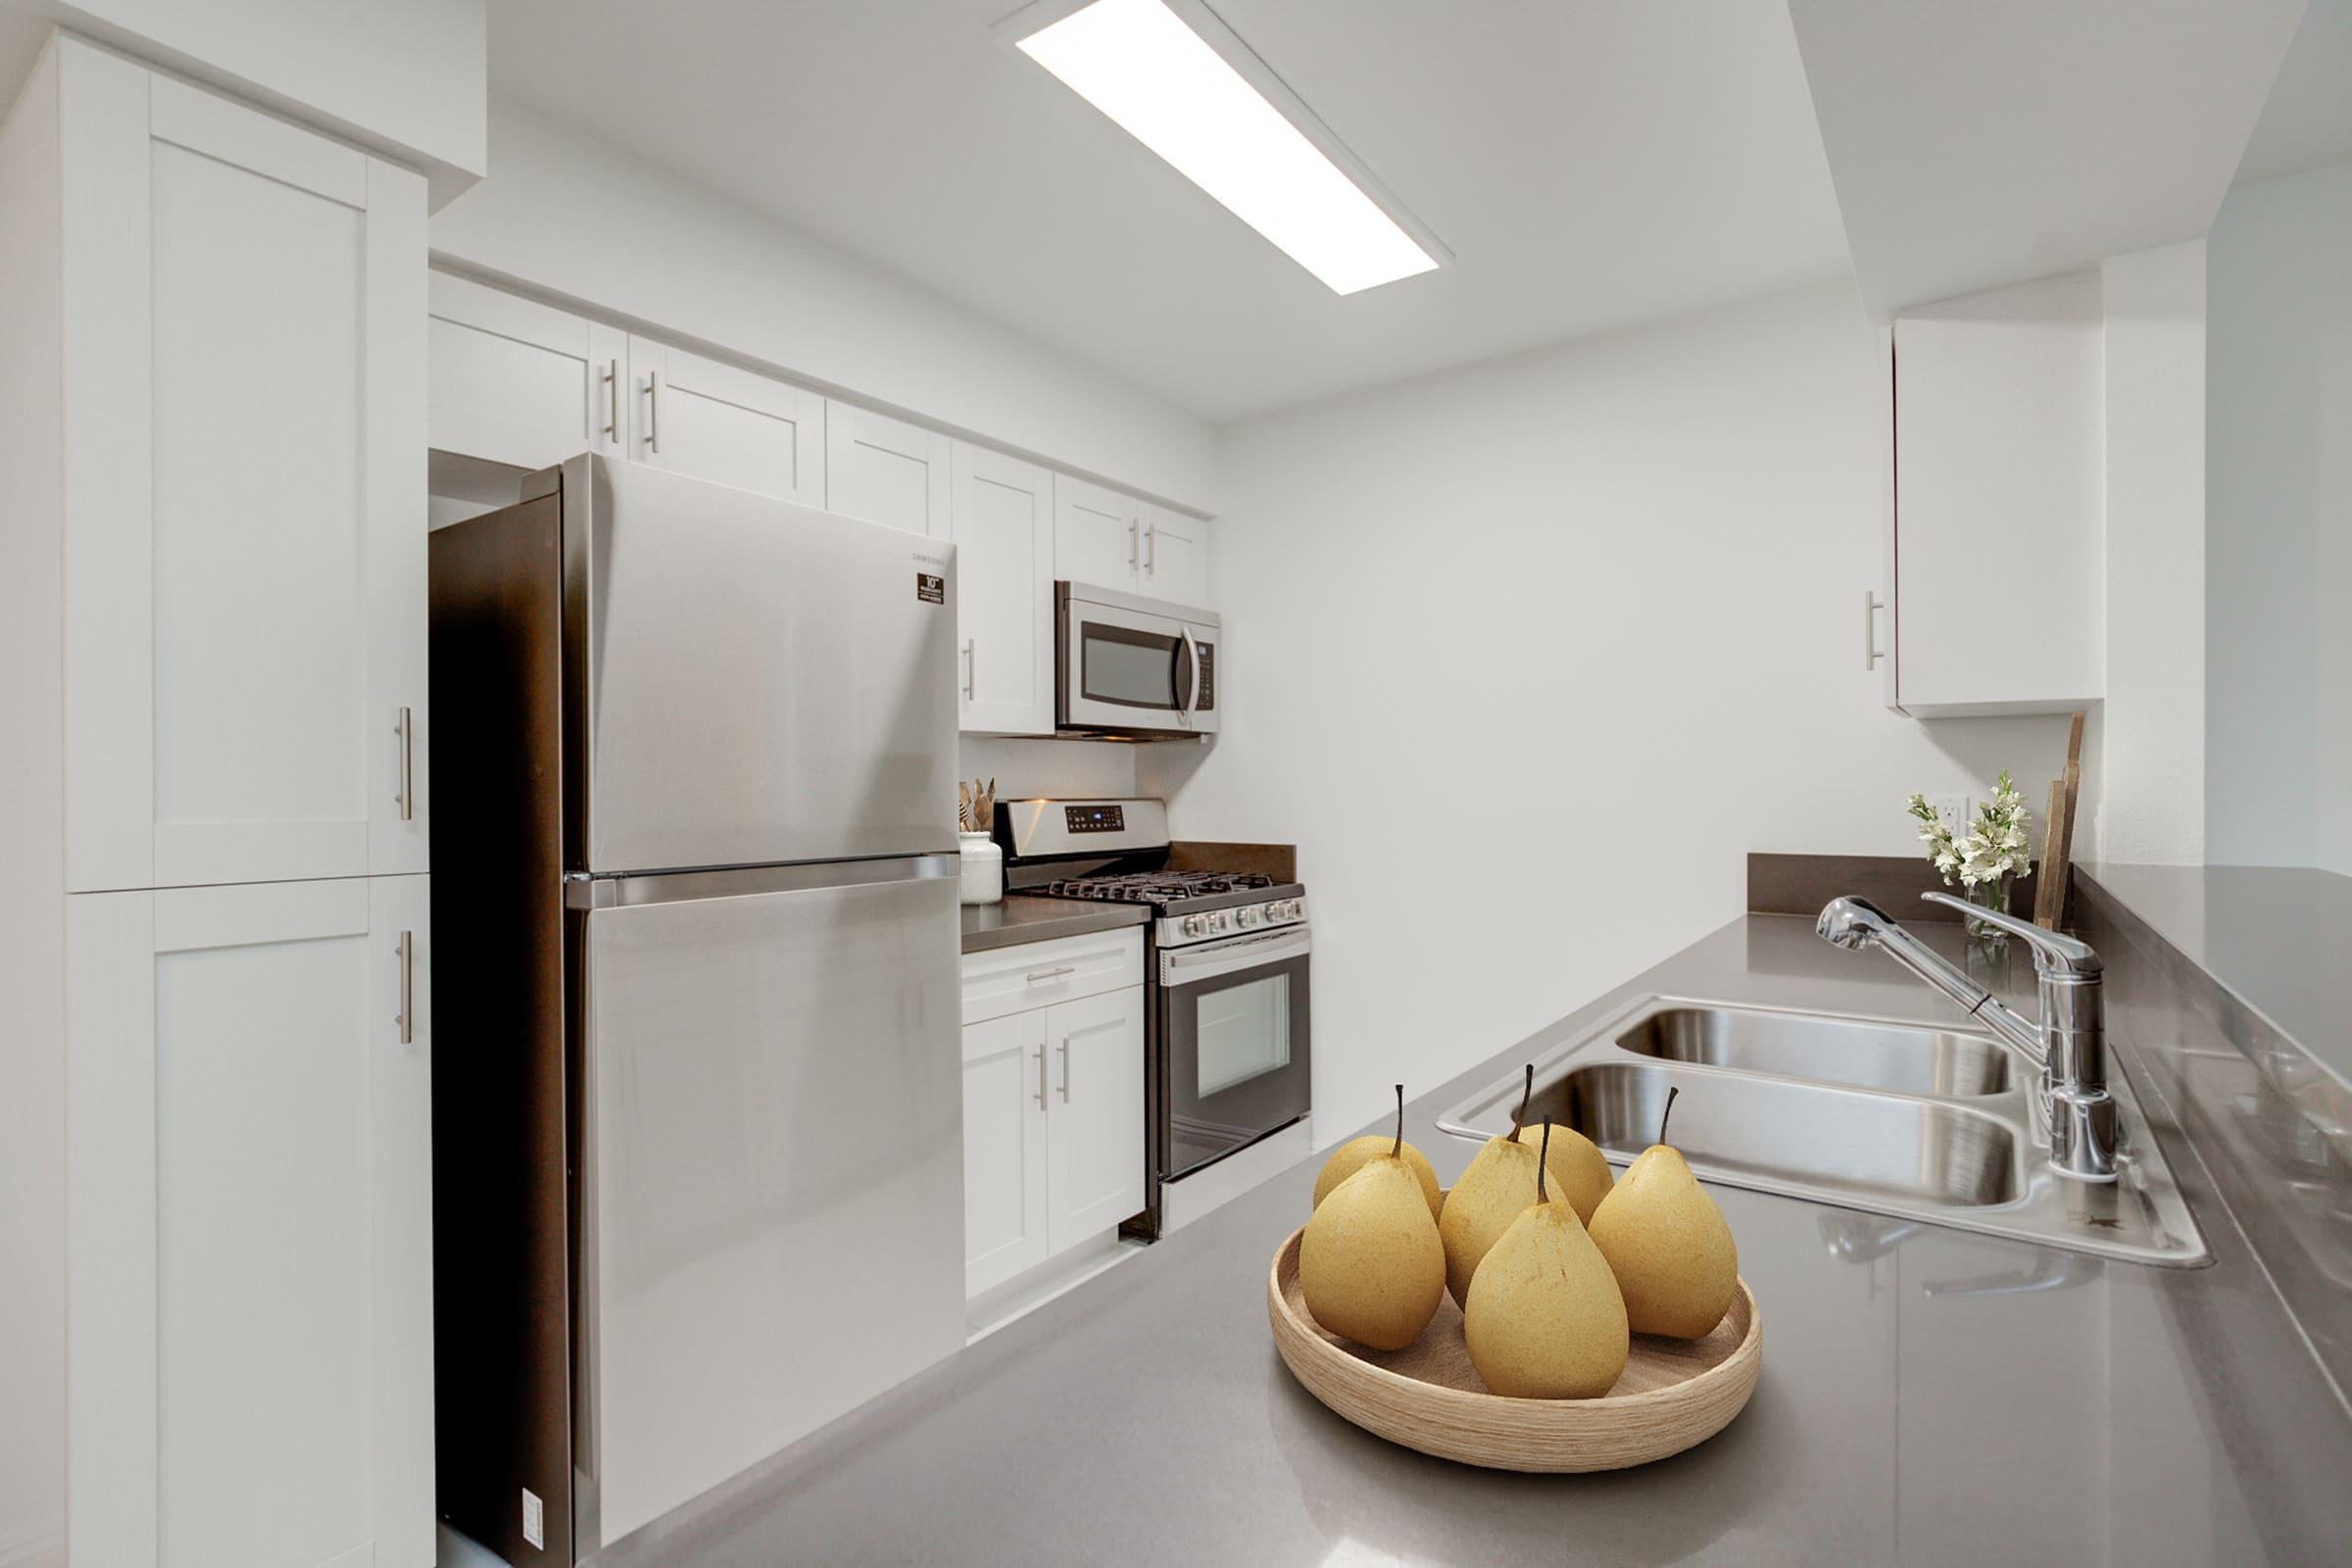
216, 949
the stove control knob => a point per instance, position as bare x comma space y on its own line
1249, 917
1221, 922
1194, 925
1287, 909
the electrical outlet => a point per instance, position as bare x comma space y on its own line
534, 1519
1953, 810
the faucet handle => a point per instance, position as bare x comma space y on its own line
2053, 952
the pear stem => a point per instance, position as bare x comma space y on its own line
1543, 1158
1668, 1111
1396, 1150
1519, 1116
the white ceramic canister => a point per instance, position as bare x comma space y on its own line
983, 879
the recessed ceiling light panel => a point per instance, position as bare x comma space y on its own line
1162, 83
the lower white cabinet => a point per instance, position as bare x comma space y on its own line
1052, 1103
250, 1352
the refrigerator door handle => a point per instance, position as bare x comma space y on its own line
677, 887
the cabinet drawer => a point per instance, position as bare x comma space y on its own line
1037, 974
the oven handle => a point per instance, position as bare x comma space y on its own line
1187, 965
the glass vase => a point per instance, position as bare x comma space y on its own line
1994, 896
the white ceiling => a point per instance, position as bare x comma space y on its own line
2308, 121
1590, 162
1981, 144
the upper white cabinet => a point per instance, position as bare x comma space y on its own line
243, 320
1998, 595
1175, 552
519, 383
726, 424
249, 1239
887, 471
1095, 534
1116, 541
1002, 519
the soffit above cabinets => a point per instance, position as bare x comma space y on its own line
1983, 144
1588, 165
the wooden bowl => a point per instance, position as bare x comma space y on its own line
1673, 1393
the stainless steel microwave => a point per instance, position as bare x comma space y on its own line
1134, 667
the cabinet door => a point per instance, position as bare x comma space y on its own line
250, 1358
517, 381
886, 471
1175, 556
1095, 1115
1095, 534
1005, 1147
245, 492
723, 423
1003, 531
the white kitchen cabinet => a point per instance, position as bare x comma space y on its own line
1112, 540
1175, 555
1095, 1115
242, 314
519, 383
725, 423
1005, 1149
2000, 516
249, 1237
1096, 534
1053, 1126
1002, 519
887, 471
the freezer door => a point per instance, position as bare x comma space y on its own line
771, 1225
750, 681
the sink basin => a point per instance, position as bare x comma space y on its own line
1840, 1051
1768, 1129
1914, 1120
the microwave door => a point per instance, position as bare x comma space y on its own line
1129, 671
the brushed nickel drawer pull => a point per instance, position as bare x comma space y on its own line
1054, 973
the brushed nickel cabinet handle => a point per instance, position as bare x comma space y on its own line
1152, 551
971, 668
653, 405
1041, 1077
1065, 1072
611, 380
1054, 973
1135, 530
404, 987
1871, 652
405, 795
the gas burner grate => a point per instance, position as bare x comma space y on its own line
1157, 887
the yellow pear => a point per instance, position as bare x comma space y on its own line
1667, 1244
1496, 1188
1354, 1154
1370, 1264
1577, 1166
1545, 1320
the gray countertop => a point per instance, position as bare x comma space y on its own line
2038, 1406
1025, 918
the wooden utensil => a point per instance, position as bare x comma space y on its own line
2057, 845
1673, 1393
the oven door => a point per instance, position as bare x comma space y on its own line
1233, 1029
1132, 667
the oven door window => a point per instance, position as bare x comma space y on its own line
1127, 667
1244, 1033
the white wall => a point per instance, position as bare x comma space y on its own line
1527, 657
571, 217
1023, 768
2150, 744
2278, 499
410, 79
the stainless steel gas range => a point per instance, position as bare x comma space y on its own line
1225, 965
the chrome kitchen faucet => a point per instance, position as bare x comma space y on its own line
2067, 1048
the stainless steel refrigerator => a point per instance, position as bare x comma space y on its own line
697, 1098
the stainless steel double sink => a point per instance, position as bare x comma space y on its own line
1909, 1120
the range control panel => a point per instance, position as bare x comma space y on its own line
1176, 930
1095, 818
